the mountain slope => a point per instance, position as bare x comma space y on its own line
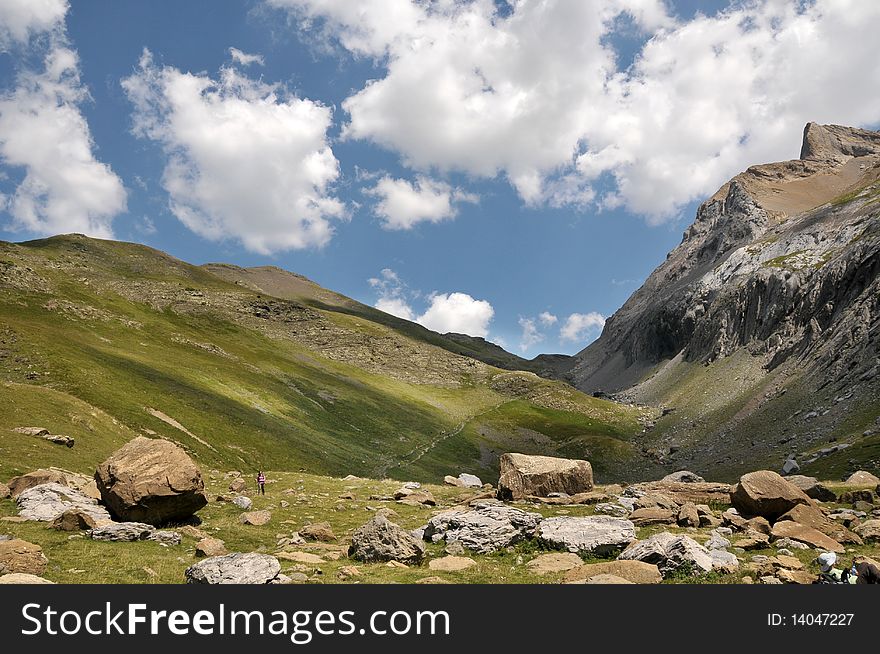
132, 341
761, 328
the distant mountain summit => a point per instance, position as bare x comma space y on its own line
762, 328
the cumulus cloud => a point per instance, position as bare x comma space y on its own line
531, 335
44, 134
393, 294
20, 20
459, 313
582, 326
536, 93
246, 59
245, 160
445, 312
403, 204
547, 319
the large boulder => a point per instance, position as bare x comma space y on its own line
862, 478
637, 572
598, 534
21, 556
47, 502
237, 568
484, 529
525, 476
152, 481
670, 552
765, 493
381, 540
812, 487
17, 485
810, 516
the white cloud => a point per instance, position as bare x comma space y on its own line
246, 59
531, 335
403, 204
446, 312
538, 96
547, 319
582, 326
43, 131
20, 20
246, 160
459, 313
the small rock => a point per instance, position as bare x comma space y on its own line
320, 531
451, 563
243, 502
255, 518
249, 568
208, 547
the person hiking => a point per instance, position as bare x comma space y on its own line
828, 574
261, 482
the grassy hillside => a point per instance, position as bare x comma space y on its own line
103, 340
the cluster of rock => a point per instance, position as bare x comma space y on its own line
146, 483
42, 432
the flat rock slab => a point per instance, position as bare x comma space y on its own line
46, 502
554, 562
804, 534
255, 518
484, 529
669, 552
451, 563
251, 568
605, 579
20, 578
123, 532
598, 534
300, 557
637, 572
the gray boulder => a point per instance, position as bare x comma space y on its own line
470, 481
613, 509
812, 487
249, 568
683, 477
382, 540
484, 529
598, 534
790, 467
46, 502
242, 502
669, 552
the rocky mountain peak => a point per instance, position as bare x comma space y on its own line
835, 142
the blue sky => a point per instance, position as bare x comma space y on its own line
550, 192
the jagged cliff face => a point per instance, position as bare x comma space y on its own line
774, 288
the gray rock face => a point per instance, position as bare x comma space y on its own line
593, 534
381, 540
249, 568
485, 529
612, 509
47, 502
782, 263
524, 475
122, 532
790, 467
669, 552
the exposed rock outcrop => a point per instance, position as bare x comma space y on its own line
524, 475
